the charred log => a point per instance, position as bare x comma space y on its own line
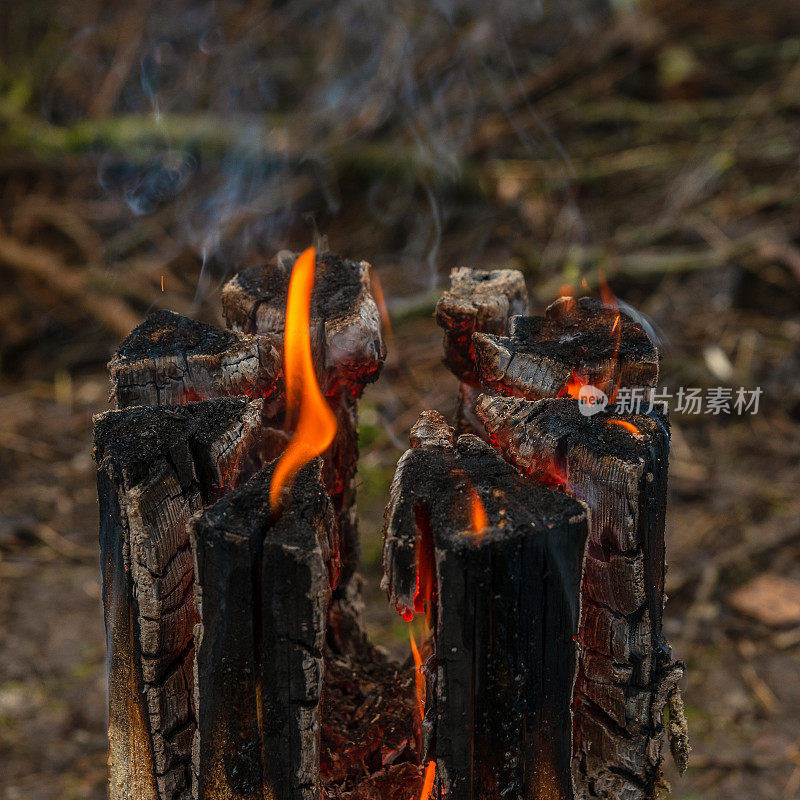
347, 345
626, 672
503, 604
170, 360
157, 467
477, 301
542, 355
262, 589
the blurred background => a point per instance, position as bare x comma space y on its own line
163, 145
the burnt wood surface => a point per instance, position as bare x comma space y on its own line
626, 671
157, 467
542, 355
262, 590
477, 301
348, 349
170, 359
504, 606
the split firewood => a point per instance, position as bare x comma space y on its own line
582, 339
347, 346
156, 468
477, 301
262, 589
170, 359
495, 562
618, 466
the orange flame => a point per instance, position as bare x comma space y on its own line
479, 521
419, 679
610, 301
380, 301
316, 424
629, 426
430, 776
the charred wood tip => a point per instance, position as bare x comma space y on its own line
437, 478
541, 355
534, 434
170, 359
477, 301
219, 432
349, 337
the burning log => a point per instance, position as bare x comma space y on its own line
583, 341
618, 466
170, 359
495, 562
347, 346
477, 301
157, 467
262, 589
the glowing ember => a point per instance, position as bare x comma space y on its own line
629, 426
573, 388
305, 403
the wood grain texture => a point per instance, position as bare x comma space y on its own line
480, 301
262, 592
541, 354
504, 611
170, 359
156, 468
626, 671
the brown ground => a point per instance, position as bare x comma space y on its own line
682, 184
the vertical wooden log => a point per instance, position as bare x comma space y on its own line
348, 348
170, 360
157, 467
626, 671
262, 592
478, 301
505, 604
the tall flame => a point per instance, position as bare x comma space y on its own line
305, 403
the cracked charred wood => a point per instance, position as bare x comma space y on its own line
503, 601
262, 589
626, 672
170, 359
478, 301
155, 468
542, 355
347, 346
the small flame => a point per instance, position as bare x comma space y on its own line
610, 302
629, 426
419, 678
479, 521
380, 301
305, 403
430, 776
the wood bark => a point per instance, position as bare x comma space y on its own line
626, 671
170, 359
503, 604
478, 301
347, 346
157, 467
262, 589
542, 355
